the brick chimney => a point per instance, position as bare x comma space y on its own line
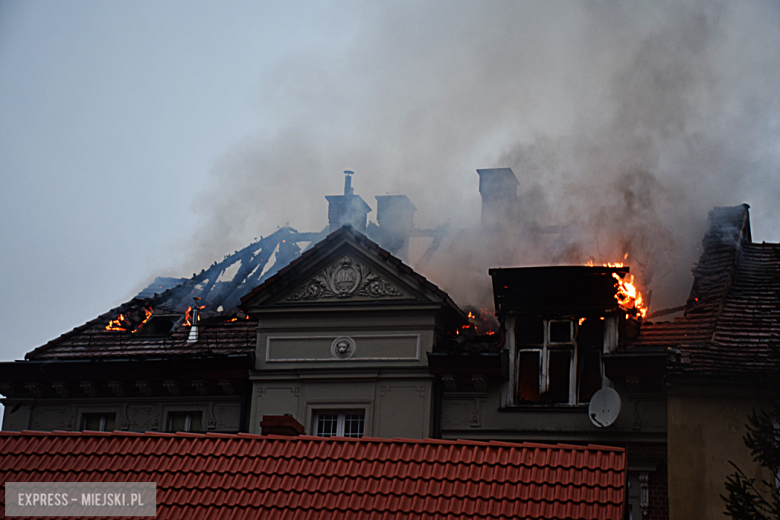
281, 425
395, 215
498, 187
348, 208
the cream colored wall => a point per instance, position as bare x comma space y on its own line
705, 433
139, 414
386, 375
397, 405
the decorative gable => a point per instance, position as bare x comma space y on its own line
347, 267
346, 279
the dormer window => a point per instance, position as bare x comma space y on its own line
558, 361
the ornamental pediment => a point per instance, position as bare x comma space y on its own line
346, 279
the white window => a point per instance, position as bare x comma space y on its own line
557, 361
185, 421
100, 422
339, 423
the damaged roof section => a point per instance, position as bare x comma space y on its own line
158, 322
218, 334
221, 286
732, 314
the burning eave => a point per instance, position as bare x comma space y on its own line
557, 289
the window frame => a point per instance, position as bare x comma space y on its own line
188, 415
545, 350
102, 421
341, 418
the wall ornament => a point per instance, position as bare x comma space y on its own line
343, 347
346, 278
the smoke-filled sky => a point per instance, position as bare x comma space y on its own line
151, 138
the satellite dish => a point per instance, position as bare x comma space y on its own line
604, 407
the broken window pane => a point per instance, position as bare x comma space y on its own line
560, 332
590, 374
528, 377
559, 375
530, 330
591, 333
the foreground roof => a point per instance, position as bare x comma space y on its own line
733, 312
251, 476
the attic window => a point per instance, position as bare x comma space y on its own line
553, 366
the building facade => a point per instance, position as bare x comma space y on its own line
352, 342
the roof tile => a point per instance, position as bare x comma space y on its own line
733, 311
222, 476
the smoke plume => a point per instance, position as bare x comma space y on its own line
624, 123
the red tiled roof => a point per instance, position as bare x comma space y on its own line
733, 311
251, 476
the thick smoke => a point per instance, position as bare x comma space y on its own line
624, 123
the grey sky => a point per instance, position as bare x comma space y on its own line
150, 138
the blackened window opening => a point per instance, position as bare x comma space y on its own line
559, 374
558, 361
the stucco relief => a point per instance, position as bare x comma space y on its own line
347, 278
227, 416
457, 413
52, 418
462, 412
141, 417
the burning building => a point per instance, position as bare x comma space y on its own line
335, 329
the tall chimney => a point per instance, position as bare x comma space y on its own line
498, 187
395, 216
348, 208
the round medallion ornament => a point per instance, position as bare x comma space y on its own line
342, 348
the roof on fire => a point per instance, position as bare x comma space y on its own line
216, 336
733, 311
220, 332
243, 476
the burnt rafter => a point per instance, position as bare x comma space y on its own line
252, 264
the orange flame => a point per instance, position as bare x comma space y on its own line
121, 323
188, 317
628, 296
480, 322
148, 317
